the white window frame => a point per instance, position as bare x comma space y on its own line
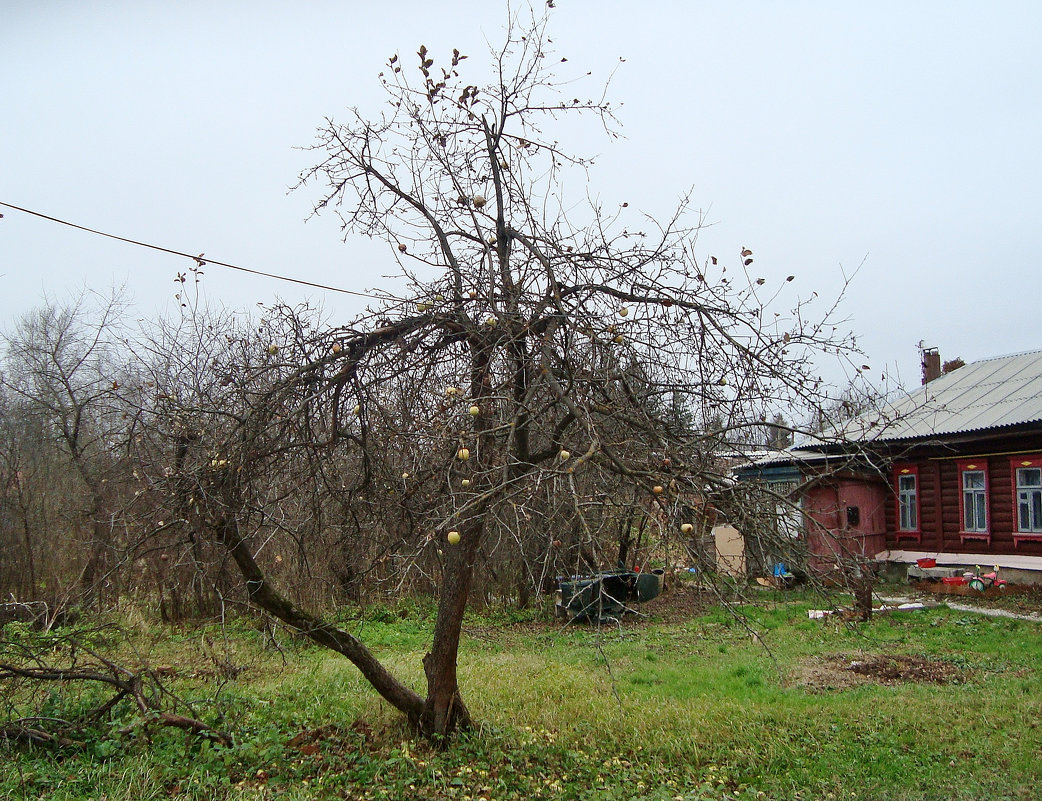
975, 501
908, 502
1029, 501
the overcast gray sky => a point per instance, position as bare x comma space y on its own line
903, 137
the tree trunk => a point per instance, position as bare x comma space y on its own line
444, 712
30, 562
95, 571
524, 585
625, 538
264, 595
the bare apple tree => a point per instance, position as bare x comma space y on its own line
550, 367
557, 385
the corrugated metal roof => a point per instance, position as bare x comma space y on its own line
992, 393
772, 457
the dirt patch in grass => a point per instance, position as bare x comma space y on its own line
841, 671
680, 601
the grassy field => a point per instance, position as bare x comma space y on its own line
690, 703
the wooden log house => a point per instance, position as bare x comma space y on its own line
951, 471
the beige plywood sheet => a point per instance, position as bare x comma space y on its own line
730, 550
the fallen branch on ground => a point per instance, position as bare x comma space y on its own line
126, 684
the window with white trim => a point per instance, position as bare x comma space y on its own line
1029, 499
907, 502
974, 500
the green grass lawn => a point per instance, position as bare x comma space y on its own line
675, 707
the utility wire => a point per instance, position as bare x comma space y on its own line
199, 260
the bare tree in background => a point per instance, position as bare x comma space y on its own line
62, 379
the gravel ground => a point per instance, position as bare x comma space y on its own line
990, 611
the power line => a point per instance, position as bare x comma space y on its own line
199, 260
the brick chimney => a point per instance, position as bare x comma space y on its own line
931, 364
